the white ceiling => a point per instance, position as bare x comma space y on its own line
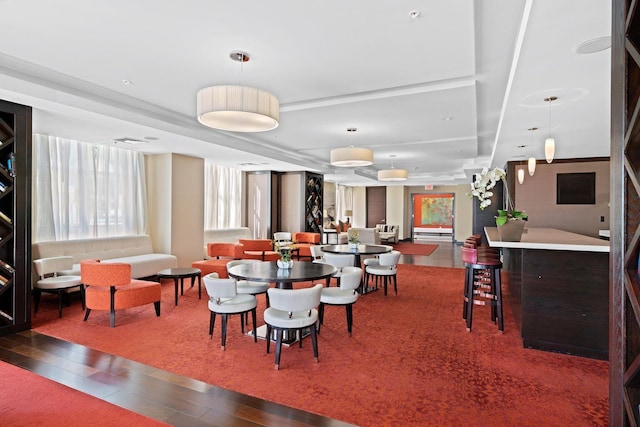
447, 93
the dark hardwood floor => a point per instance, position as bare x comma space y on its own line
161, 395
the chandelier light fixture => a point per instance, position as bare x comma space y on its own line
351, 156
238, 108
531, 164
393, 174
549, 143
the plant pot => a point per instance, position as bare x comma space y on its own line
511, 231
284, 264
353, 245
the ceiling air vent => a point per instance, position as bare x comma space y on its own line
131, 141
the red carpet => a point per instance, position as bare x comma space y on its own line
415, 248
27, 399
410, 361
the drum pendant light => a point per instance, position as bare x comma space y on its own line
238, 108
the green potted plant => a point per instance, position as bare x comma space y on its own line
510, 222
352, 237
285, 252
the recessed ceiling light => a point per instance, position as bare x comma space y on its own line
594, 45
127, 82
151, 138
447, 119
414, 14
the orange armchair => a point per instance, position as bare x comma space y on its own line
260, 249
108, 286
304, 240
221, 253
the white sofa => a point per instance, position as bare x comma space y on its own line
369, 236
225, 235
134, 250
388, 233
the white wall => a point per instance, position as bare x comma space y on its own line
291, 203
175, 194
537, 196
395, 207
463, 208
359, 207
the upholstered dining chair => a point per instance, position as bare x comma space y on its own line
109, 286
386, 269
225, 301
50, 281
316, 253
292, 309
282, 236
345, 295
247, 286
339, 261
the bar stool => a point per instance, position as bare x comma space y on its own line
482, 285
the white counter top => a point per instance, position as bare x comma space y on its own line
550, 239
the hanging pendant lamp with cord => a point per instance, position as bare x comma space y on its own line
550, 142
531, 163
238, 108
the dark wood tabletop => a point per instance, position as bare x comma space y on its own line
301, 271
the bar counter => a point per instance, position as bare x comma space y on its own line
557, 284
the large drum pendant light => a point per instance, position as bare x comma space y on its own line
351, 156
238, 108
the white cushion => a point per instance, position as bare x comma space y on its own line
59, 282
382, 270
338, 296
299, 319
239, 304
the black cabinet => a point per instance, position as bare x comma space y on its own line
15, 217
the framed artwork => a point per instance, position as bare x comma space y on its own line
313, 203
433, 213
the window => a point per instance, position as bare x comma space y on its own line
82, 190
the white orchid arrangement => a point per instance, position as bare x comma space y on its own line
481, 188
483, 184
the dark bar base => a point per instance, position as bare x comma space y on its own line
560, 300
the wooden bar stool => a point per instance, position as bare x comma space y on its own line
482, 285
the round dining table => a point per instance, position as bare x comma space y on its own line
357, 251
301, 271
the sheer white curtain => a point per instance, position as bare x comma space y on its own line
82, 190
344, 200
222, 197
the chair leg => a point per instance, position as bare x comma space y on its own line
320, 316
112, 314
314, 343
36, 299
470, 299
395, 284
212, 322
241, 322
255, 331
82, 297
268, 337
465, 294
385, 286
86, 314
60, 297
349, 308
156, 305
278, 347
225, 318
498, 294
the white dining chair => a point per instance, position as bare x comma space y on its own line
345, 295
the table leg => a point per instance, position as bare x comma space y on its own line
175, 281
199, 286
182, 286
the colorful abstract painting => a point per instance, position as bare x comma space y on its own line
432, 210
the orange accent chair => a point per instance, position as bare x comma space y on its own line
108, 286
260, 249
221, 254
303, 241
